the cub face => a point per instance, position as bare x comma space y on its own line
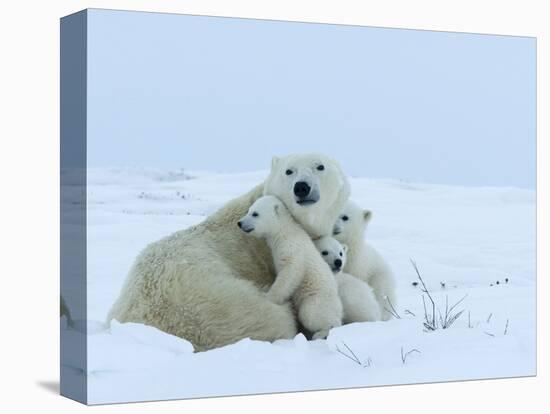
351, 223
333, 252
263, 216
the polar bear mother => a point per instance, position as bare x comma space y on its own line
207, 283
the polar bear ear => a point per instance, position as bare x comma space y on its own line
367, 215
274, 162
345, 248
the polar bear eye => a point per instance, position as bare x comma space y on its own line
345, 218
324, 253
255, 214
340, 254
321, 167
288, 172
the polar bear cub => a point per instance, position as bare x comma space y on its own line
357, 297
364, 262
302, 275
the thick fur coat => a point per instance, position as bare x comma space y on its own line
363, 261
358, 300
302, 275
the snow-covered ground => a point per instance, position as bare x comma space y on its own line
478, 242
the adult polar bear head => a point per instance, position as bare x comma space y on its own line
313, 188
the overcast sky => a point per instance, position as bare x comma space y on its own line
226, 94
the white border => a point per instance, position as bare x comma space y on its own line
29, 159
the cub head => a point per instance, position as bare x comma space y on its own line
351, 223
332, 252
312, 187
263, 217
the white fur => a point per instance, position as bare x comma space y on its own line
206, 283
364, 262
301, 273
358, 300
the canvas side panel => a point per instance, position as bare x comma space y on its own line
73, 376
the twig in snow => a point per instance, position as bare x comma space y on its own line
506, 328
347, 356
353, 353
469, 324
430, 322
406, 354
408, 312
354, 357
450, 318
457, 303
489, 333
489, 318
392, 311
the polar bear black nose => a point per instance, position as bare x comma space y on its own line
239, 224
301, 189
338, 263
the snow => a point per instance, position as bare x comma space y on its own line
464, 240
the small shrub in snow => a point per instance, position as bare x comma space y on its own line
431, 321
